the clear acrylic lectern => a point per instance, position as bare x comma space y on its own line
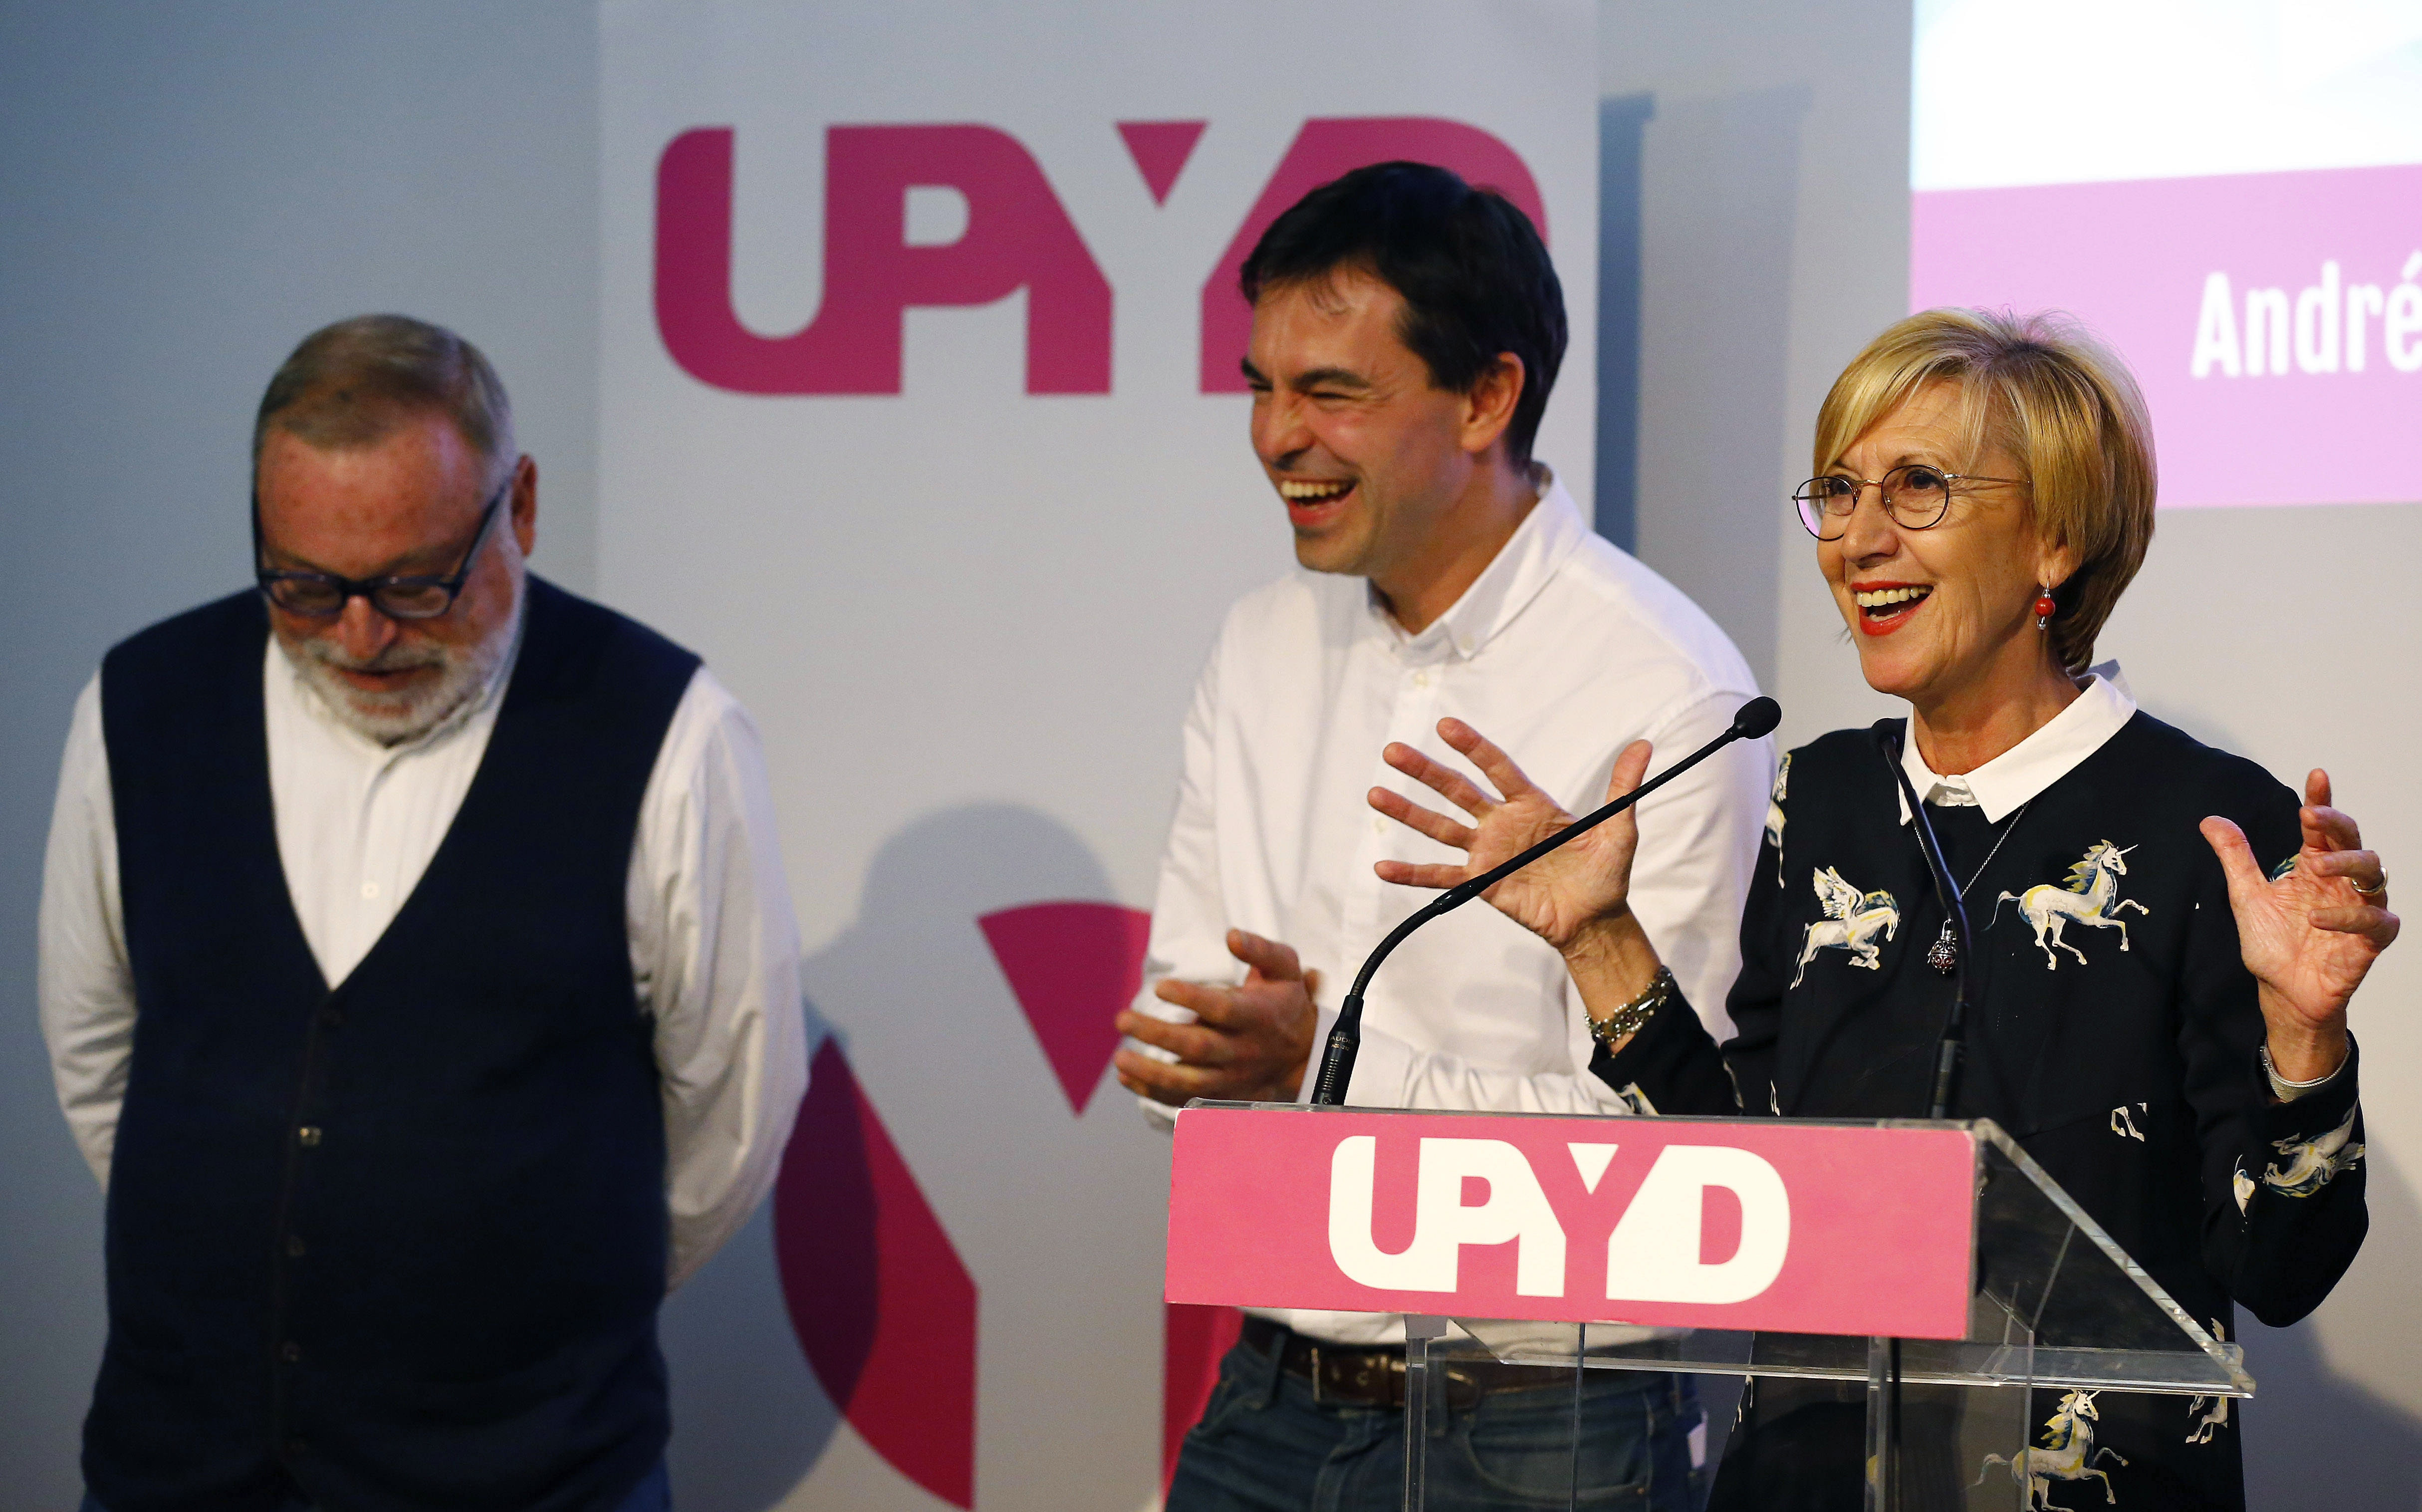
2056, 1307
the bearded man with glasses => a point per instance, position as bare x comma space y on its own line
420, 983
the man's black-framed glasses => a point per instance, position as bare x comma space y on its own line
324, 595
1915, 495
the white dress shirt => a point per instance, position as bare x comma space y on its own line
714, 948
1562, 652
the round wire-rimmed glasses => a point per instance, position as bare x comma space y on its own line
324, 595
1914, 495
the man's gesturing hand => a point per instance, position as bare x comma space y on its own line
1248, 1043
2309, 936
1558, 897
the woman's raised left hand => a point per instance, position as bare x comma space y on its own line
2310, 935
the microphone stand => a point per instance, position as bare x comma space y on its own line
1948, 1052
1755, 718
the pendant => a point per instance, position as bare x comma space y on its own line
1943, 955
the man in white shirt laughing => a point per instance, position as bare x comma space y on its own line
1407, 330
420, 981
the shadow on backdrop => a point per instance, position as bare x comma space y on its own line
750, 1416
2316, 1442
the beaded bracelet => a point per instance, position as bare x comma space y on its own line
1634, 1016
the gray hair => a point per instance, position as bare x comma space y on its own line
351, 384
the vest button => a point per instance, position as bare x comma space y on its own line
294, 1246
290, 1352
309, 1135
297, 1448
332, 1016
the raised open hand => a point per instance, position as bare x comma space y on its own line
1556, 897
2309, 936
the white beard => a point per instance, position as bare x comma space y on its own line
405, 715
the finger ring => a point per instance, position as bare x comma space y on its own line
2371, 892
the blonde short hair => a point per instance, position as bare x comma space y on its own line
2045, 393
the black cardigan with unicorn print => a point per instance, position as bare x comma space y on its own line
2114, 1033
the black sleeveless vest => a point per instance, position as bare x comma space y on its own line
396, 1243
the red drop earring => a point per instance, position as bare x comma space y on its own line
2045, 608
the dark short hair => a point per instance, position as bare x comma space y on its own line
351, 384
1474, 276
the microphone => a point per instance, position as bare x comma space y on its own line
1757, 717
1953, 1043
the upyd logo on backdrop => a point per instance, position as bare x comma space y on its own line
921, 419
1014, 234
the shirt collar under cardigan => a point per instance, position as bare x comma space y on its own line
2035, 764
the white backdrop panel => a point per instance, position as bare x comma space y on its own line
966, 616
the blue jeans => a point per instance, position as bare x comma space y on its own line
1265, 1445
655, 1493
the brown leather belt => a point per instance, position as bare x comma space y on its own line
1374, 1375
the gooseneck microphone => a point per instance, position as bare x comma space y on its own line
1953, 1043
1755, 718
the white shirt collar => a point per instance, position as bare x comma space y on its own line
1504, 589
2035, 764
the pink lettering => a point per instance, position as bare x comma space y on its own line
1017, 237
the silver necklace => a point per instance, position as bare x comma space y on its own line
1943, 955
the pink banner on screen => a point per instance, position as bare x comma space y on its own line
1752, 1224
2273, 318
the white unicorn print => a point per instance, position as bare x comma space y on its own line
2068, 1453
1851, 922
2312, 1163
2090, 897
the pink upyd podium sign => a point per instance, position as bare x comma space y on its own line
1758, 1224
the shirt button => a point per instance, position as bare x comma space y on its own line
369, 889
1378, 827
309, 1135
1420, 680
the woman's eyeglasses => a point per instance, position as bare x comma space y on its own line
1914, 495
